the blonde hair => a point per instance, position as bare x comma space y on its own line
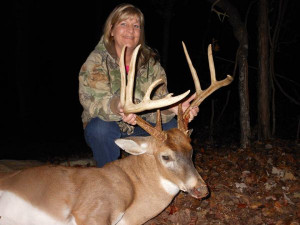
120, 13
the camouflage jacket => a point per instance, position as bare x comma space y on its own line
99, 84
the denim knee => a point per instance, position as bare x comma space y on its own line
169, 125
100, 129
100, 136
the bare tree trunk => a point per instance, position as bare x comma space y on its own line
263, 73
282, 5
241, 35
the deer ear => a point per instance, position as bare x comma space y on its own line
189, 132
134, 145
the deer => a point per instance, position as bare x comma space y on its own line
128, 191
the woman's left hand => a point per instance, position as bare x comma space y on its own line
193, 111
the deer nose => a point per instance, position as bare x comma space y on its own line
199, 192
203, 189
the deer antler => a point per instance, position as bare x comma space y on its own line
126, 98
203, 94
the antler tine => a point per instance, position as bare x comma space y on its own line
123, 77
146, 103
155, 132
211, 65
193, 71
181, 124
130, 80
158, 121
215, 85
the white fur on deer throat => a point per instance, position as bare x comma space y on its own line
169, 187
173, 189
12, 207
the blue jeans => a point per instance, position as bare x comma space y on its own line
100, 135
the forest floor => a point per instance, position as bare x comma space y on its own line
255, 186
259, 185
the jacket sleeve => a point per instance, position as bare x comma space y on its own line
95, 90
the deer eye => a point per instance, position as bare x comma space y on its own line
166, 157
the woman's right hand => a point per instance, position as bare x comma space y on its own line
128, 118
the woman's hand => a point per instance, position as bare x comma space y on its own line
193, 111
128, 118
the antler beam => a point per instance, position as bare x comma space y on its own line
126, 95
215, 85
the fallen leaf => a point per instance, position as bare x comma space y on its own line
271, 197
256, 205
296, 195
242, 206
172, 209
278, 206
289, 176
294, 223
251, 179
280, 222
240, 186
287, 199
268, 146
278, 172
270, 184
270, 161
268, 212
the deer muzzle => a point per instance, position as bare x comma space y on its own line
199, 191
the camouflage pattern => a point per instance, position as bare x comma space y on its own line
99, 83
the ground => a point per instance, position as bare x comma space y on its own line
254, 186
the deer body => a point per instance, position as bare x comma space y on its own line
128, 191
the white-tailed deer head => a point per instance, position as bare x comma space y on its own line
171, 149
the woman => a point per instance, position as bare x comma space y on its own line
99, 85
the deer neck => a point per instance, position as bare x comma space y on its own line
144, 170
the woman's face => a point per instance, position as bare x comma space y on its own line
127, 33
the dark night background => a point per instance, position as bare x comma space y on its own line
46, 42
